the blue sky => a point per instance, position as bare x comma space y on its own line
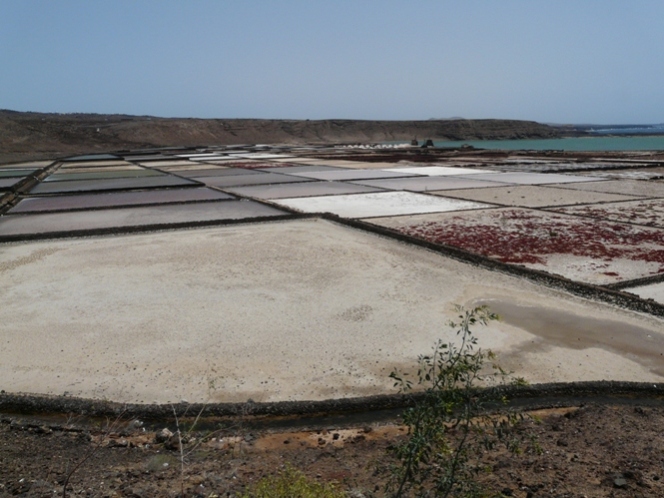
581, 61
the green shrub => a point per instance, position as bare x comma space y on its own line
449, 427
291, 483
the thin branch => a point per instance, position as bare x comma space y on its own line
91, 452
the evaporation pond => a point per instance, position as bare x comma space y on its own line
533, 178
437, 170
292, 310
377, 204
531, 196
306, 189
116, 184
88, 201
93, 165
7, 183
200, 173
257, 179
102, 175
424, 183
349, 174
166, 214
15, 173
280, 168
626, 187
557, 327
652, 291
92, 157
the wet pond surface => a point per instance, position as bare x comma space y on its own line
558, 327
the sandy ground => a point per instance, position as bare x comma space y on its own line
290, 310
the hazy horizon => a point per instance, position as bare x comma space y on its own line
565, 62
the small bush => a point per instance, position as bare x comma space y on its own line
291, 483
449, 427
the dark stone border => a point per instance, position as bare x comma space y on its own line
653, 279
532, 395
12, 196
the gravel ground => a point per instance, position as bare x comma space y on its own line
591, 452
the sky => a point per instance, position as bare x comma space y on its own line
552, 61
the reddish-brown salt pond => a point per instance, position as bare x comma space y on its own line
584, 249
641, 212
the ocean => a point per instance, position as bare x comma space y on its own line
600, 143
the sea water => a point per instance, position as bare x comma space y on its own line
600, 143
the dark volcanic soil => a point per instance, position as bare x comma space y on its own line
28, 135
593, 451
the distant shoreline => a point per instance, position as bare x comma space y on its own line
33, 135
